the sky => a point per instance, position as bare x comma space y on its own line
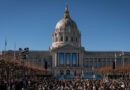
104, 24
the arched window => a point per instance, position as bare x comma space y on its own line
66, 39
61, 39
72, 39
55, 34
67, 71
76, 39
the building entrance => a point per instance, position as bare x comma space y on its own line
61, 72
67, 71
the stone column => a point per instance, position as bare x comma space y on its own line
81, 60
57, 59
96, 62
77, 59
93, 65
64, 60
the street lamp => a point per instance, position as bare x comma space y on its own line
23, 55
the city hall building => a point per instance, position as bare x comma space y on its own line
66, 55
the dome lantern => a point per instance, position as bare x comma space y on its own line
66, 13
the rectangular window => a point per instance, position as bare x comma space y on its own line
61, 39
67, 58
61, 57
66, 38
74, 58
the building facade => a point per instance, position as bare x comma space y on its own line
67, 56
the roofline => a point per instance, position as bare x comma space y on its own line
107, 51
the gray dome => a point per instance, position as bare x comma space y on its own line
66, 24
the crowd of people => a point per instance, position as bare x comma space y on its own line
65, 84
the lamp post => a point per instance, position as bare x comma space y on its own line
114, 63
23, 55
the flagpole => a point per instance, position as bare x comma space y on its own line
14, 49
115, 59
5, 46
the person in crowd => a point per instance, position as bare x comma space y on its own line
65, 84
